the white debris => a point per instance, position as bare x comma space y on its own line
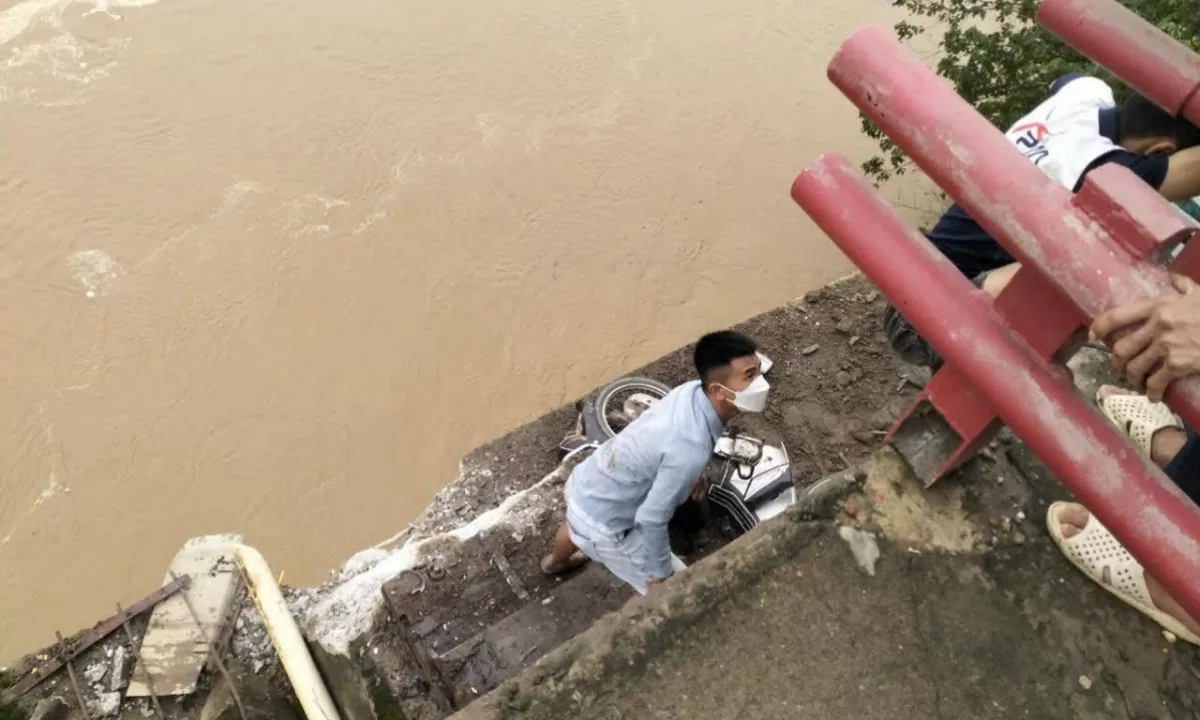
108, 704
360, 563
251, 640
120, 657
863, 546
345, 612
95, 673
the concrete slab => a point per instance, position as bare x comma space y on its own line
176, 647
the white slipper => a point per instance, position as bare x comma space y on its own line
1137, 417
1095, 549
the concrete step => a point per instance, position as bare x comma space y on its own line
500, 652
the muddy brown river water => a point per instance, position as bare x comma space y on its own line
275, 266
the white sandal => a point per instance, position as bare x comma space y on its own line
1137, 416
1094, 550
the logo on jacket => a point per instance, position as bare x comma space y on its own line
1029, 139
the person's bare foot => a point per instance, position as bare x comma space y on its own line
552, 567
1165, 444
1074, 518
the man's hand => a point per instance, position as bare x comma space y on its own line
700, 489
1166, 346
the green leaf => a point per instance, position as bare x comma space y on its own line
1002, 62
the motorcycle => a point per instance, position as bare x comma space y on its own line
749, 480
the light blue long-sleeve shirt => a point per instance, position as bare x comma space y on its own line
640, 477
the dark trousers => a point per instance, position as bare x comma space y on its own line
907, 342
1184, 468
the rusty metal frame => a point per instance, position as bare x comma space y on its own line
140, 662
62, 648
79, 643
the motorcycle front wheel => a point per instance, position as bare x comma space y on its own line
618, 390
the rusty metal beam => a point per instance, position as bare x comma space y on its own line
79, 643
137, 656
62, 649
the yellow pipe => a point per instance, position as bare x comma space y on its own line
285, 635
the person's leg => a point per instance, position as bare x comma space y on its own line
625, 556
1166, 439
908, 343
996, 280
622, 557
1181, 451
1074, 518
1177, 451
564, 555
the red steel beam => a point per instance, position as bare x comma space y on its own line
1035, 219
1142, 56
1155, 521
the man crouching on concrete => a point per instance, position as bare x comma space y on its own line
620, 500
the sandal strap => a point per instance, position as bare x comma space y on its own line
1096, 549
1138, 417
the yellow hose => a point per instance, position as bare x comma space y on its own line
285, 635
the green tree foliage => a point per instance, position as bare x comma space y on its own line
1001, 61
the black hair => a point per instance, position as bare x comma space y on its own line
717, 350
1140, 118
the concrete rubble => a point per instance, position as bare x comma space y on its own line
120, 658
862, 546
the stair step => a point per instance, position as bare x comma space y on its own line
482, 662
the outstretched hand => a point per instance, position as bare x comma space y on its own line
1166, 347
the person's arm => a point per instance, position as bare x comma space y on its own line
1182, 180
671, 488
1167, 345
1176, 177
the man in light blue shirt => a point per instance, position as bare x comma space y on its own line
620, 500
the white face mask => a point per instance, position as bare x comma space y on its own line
754, 397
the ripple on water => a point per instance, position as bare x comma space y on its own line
62, 55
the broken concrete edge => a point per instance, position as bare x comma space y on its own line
356, 679
625, 638
346, 612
